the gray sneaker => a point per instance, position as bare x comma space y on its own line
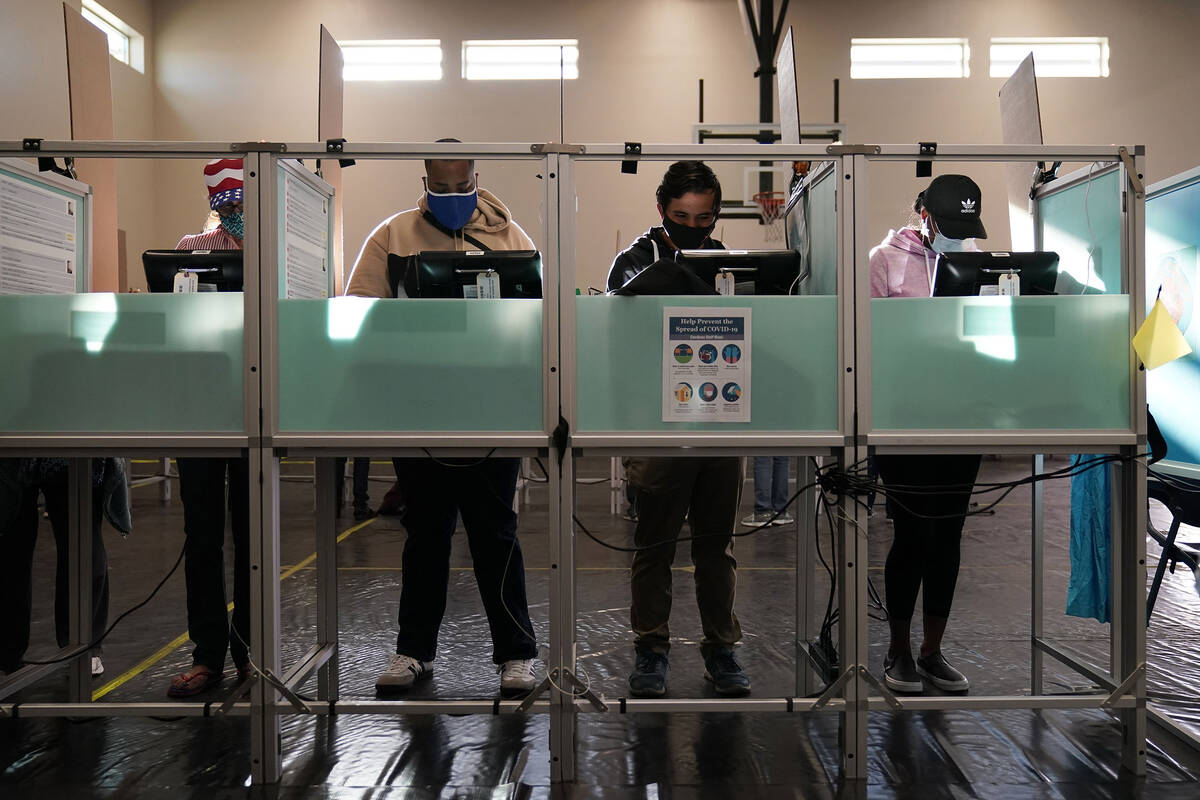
785, 518
757, 519
401, 673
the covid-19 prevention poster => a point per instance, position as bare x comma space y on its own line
706, 365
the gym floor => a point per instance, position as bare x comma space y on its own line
997, 754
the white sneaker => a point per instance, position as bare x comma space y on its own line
516, 677
401, 673
97, 667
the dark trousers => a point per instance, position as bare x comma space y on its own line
202, 489
706, 491
928, 530
16, 560
435, 495
362, 475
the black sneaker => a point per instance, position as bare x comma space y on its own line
726, 674
937, 670
362, 512
900, 674
649, 676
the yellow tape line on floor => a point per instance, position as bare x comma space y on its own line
179, 640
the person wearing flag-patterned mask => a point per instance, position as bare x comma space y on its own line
202, 490
225, 228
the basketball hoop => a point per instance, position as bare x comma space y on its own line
770, 209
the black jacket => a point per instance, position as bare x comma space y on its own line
641, 254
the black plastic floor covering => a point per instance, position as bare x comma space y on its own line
1001, 754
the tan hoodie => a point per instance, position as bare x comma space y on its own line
407, 233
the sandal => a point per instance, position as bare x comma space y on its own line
196, 680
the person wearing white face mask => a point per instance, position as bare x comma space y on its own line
928, 524
902, 264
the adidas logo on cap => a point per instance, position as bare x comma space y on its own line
968, 206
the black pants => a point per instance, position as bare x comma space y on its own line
928, 530
202, 489
706, 492
362, 475
435, 495
16, 562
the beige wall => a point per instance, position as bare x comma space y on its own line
639, 67
33, 90
133, 118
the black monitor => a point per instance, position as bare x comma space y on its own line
216, 270
452, 273
754, 271
965, 274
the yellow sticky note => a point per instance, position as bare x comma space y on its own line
1159, 340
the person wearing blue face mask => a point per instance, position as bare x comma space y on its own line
928, 495
453, 213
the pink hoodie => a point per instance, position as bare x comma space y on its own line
901, 265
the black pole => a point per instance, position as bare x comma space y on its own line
835, 101
766, 82
701, 119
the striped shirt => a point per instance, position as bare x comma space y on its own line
216, 239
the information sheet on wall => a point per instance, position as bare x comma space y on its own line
706, 365
39, 248
306, 240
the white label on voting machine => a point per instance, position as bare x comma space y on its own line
1010, 286
489, 285
725, 283
186, 283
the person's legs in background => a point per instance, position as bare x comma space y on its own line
362, 496
763, 512
631, 498
780, 467
57, 503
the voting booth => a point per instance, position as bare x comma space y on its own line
287, 368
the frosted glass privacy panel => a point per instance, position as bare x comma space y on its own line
367, 364
812, 229
121, 363
1000, 363
1173, 263
793, 351
1083, 225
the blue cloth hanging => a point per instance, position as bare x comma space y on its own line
1089, 590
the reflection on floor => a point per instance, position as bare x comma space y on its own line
1009, 754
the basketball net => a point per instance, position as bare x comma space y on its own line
770, 209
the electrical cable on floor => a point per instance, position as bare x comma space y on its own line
117, 621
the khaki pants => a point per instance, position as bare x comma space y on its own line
706, 491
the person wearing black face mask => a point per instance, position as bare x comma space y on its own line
705, 490
689, 201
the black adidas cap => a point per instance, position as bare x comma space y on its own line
955, 203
